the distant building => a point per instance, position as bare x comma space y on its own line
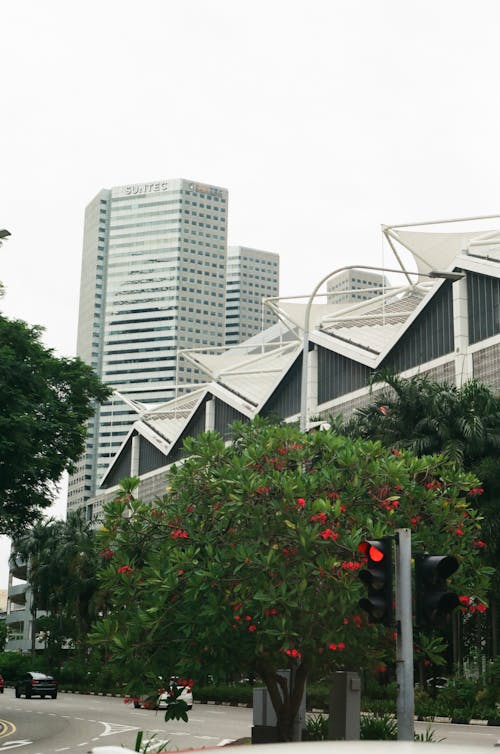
19, 620
153, 281
153, 286
350, 286
445, 328
252, 276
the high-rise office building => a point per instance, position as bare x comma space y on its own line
153, 281
252, 275
354, 285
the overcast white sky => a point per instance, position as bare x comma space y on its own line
323, 119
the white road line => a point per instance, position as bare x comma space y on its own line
64, 748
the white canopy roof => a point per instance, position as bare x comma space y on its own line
436, 251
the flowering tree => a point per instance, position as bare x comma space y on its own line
250, 560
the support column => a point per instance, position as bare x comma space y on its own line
210, 415
463, 359
312, 383
134, 455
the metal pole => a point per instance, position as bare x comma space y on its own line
404, 639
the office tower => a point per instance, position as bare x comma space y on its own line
153, 281
354, 285
251, 276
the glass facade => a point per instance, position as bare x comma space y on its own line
153, 282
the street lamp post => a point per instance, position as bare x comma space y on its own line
305, 350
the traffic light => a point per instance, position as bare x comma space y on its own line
378, 578
433, 601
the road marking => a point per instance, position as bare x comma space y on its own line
110, 729
14, 744
225, 741
63, 748
7, 728
206, 738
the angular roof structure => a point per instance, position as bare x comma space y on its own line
405, 327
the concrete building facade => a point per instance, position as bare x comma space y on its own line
158, 282
252, 275
355, 285
153, 281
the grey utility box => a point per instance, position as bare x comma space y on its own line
345, 707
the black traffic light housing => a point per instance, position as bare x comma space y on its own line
378, 578
433, 601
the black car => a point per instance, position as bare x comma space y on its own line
36, 684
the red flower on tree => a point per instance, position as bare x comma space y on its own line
321, 517
124, 569
179, 534
329, 534
479, 544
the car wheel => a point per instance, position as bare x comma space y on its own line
1, 691
18, 693
28, 695
54, 695
137, 705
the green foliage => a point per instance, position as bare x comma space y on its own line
13, 665
249, 563
317, 727
378, 728
430, 417
46, 401
62, 558
235, 694
428, 736
151, 744
492, 682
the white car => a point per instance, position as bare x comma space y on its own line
166, 696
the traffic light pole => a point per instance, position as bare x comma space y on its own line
404, 638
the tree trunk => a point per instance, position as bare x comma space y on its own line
33, 630
286, 699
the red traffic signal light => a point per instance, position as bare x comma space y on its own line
378, 578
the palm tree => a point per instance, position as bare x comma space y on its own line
62, 564
430, 417
33, 548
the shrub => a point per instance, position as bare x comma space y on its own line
232, 694
13, 665
378, 728
317, 727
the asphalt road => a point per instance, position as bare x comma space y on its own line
77, 723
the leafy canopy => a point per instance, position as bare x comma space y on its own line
46, 401
249, 562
